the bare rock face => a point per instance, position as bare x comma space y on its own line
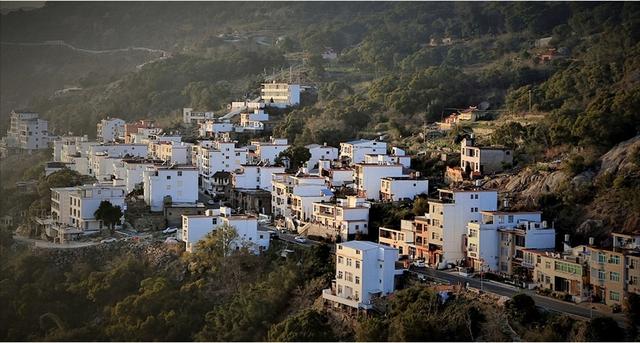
620, 158
527, 185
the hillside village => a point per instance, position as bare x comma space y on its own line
418, 172
266, 190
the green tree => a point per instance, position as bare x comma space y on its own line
604, 329
372, 329
522, 308
297, 156
109, 214
306, 326
420, 206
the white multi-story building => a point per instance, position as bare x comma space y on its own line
441, 240
364, 271
280, 94
495, 243
347, 217
367, 178
397, 157
180, 183
191, 117
321, 152
396, 188
75, 206
110, 129
97, 153
221, 156
66, 146
196, 227
292, 197
336, 176
355, 151
254, 177
268, 151
174, 152
254, 120
27, 131
132, 171
211, 128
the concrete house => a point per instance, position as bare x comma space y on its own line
396, 188
280, 95
177, 183
321, 152
196, 227
441, 233
477, 161
110, 129
367, 178
496, 242
355, 151
27, 131
364, 271
343, 218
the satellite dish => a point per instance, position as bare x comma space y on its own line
484, 106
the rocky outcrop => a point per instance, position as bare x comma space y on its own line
622, 157
528, 185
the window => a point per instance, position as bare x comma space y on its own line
357, 296
348, 276
168, 177
340, 260
615, 296
349, 262
510, 220
547, 265
357, 264
179, 173
614, 276
357, 280
601, 258
615, 259
340, 274
601, 274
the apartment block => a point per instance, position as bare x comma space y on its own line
254, 176
280, 95
355, 151
365, 271
211, 128
221, 156
367, 178
191, 117
563, 272
496, 242
346, 217
110, 129
27, 131
267, 152
402, 238
196, 227
441, 233
321, 152
75, 206
396, 188
176, 183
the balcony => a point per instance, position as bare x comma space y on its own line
330, 295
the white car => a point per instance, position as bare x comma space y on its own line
419, 263
108, 240
300, 239
170, 230
171, 240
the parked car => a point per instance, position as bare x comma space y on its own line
300, 239
171, 240
419, 263
170, 230
108, 240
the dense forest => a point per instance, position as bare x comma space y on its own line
389, 79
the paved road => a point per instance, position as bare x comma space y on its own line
547, 303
